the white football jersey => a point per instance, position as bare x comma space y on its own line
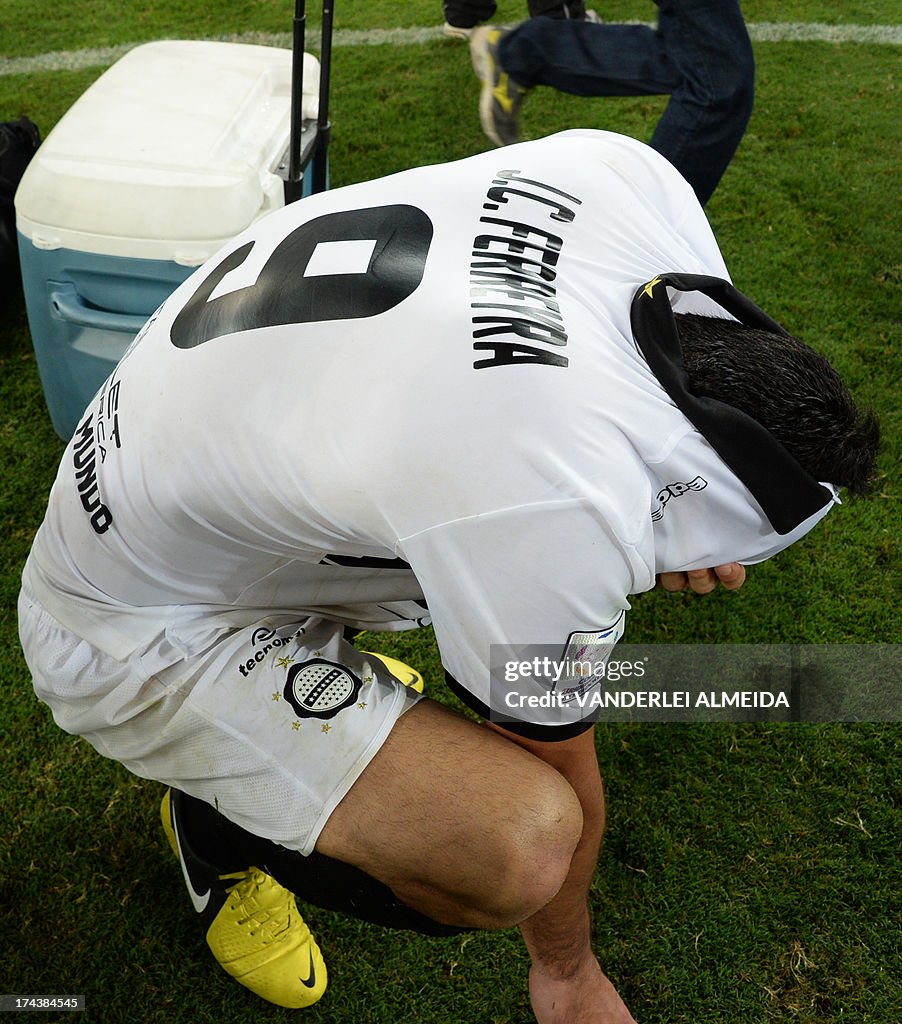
420, 398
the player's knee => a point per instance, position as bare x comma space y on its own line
536, 854
524, 856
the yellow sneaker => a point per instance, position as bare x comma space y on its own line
501, 97
253, 926
403, 673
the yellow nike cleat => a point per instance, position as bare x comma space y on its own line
501, 97
403, 673
253, 926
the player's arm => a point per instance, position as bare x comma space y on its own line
703, 581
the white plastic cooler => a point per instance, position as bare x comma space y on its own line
173, 151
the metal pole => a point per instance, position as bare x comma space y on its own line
293, 187
323, 127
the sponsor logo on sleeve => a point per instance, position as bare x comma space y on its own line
675, 490
585, 658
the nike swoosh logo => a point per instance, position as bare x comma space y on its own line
199, 899
310, 980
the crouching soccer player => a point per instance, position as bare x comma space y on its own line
455, 395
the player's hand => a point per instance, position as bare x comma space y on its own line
703, 581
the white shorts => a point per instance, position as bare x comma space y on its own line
272, 724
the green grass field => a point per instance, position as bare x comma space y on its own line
751, 871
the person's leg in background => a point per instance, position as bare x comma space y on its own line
700, 54
560, 11
577, 57
708, 112
461, 17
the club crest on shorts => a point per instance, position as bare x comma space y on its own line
320, 689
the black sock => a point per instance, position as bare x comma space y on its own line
316, 879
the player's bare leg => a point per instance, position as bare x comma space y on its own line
488, 834
460, 823
566, 983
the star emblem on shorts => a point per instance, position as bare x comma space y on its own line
362, 705
284, 662
295, 726
326, 727
276, 696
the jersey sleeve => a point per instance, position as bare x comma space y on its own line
529, 587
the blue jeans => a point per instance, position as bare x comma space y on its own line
700, 54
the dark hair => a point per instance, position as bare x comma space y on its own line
791, 390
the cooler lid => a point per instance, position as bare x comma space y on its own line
169, 154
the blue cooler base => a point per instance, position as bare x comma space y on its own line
84, 310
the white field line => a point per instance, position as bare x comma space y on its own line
762, 31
